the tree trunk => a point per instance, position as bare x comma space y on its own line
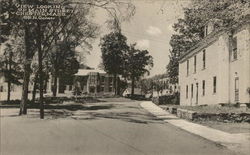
34, 88
8, 94
55, 85
132, 86
40, 70
9, 68
118, 85
45, 84
115, 83
26, 77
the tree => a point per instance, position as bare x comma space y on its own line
138, 62
75, 28
114, 48
146, 85
10, 66
64, 63
158, 86
190, 29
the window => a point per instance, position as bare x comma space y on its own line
110, 80
206, 30
187, 67
214, 84
204, 59
236, 88
186, 91
102, 79
110, 89
171, 90
102, 89
234, 48
203, 87
195, 64
192, 91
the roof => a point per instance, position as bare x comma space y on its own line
208, 40
85, 72
83, 66
211, 38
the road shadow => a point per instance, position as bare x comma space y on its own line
75, 107
129, 112
133, 117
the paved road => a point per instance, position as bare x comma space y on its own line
108, 128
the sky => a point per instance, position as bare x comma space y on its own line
150, 28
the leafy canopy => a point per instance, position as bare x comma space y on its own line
114, 48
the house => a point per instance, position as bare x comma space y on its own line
217, 69
15, 90
87, 80
92, 81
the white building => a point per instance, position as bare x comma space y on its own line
217, 69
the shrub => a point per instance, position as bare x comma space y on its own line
167, 99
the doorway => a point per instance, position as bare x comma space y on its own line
236, 89
197, 93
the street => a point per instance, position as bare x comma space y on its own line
102, 128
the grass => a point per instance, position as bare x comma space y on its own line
228, 127
213, 109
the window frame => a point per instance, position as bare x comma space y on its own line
203, 87
186, 91
204, 59
192, 90
214, 85
195, 63
234, 48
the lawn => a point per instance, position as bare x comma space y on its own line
228, 127
213, 109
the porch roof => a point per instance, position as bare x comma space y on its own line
85, 72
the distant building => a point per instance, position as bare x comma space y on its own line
217, 69
87, 80
92, 81
165, 87
4, 85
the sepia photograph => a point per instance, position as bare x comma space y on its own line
124, 77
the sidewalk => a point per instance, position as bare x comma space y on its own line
239, 143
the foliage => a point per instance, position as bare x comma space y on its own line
123, 86
158, 86
64, 60
114, 48
146, 85
10, 63
167, 99
138, 62
42, 39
